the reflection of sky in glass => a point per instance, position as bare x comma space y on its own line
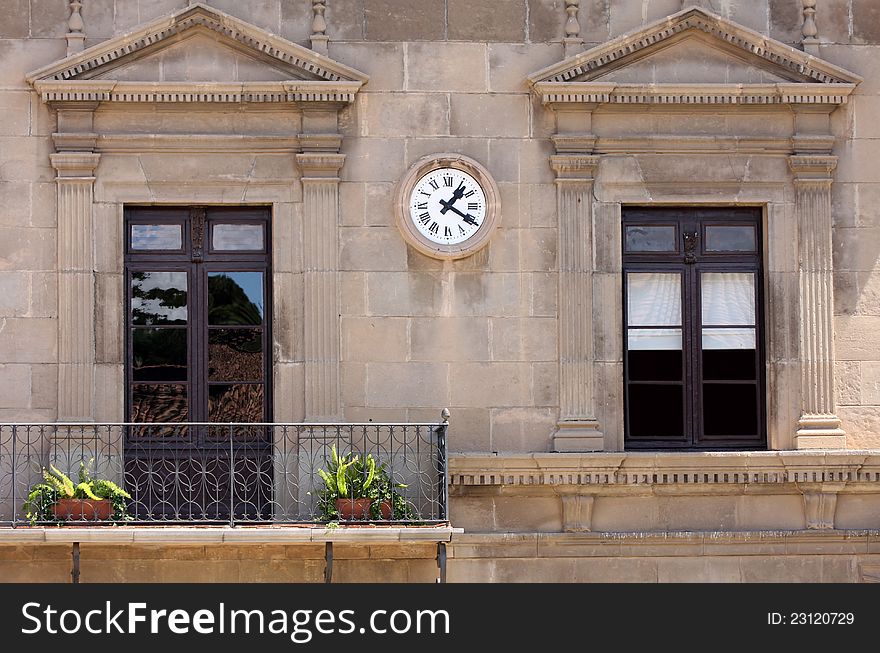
238, 236
156, 236
162, 281
250, 282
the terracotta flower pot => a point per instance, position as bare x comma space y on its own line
385, 509
353, 508
82, 509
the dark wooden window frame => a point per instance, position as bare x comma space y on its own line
197, 259
691, 262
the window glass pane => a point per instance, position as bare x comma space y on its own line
158, 403
653, 299
156, 236
235, 355
235, 403
237, 237
653, 339
730, 238
730, 409
650, 239
158, 298
158, 355
729, 339
729, 364
647, 365
656, 411
235, 298
728, 298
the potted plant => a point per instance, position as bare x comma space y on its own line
88, 500
360, 488
348, 487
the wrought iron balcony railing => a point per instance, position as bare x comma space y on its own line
183, 473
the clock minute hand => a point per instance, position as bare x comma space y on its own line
456, 195
466, 216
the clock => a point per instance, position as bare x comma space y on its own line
447, 206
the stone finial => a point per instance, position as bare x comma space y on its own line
319, 37
75, 29
573, 42
810, 31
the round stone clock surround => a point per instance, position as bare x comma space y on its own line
447, 206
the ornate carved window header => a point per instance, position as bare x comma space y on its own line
794, 77
94, 75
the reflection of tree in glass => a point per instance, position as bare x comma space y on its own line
228, 303
159, 403
235, 355
236, 403
163, 300
159, 354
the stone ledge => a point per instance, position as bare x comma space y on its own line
665, 544
649, 469
225, 535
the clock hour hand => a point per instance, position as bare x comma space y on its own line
465, 216
457, 195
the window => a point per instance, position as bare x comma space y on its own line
693, 354
198, 349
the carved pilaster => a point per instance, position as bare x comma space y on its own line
818, 426
76, 285
319, 37
577, 512
810, 31
578, 429
572, 42
320, 182
75, 29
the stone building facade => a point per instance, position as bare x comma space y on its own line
589, 123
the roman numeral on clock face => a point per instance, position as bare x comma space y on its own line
425, 218
434, 228
434, 184
447, 232
473, 206
423, 206
469, 193
447, 181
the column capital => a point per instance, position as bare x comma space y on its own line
574, 166
812, 167
322, 166
75, 164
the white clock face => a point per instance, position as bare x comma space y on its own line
447, 206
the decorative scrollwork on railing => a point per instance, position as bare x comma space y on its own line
223, 473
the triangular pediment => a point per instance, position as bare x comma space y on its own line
188, 51
688, 50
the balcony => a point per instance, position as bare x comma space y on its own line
230, 474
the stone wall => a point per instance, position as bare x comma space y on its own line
477, 335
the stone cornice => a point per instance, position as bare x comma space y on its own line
778, 57
553, 92
296, 92
301, 61
607, 470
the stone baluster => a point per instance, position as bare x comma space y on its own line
572, 41
75, 29
320, 180
578, 429
818, 426
76, 284
810, 31
319, 37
